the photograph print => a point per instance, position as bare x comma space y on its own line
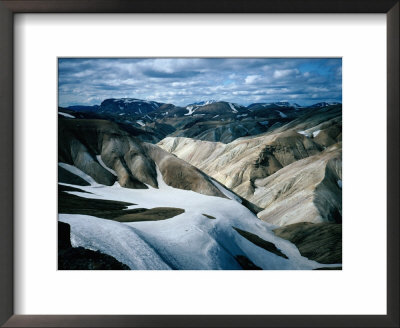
199, 164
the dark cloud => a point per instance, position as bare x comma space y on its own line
184, 80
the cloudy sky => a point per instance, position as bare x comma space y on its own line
182, 81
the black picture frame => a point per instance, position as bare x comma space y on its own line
10, 7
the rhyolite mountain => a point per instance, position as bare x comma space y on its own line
210, 185
109, 154
291, 173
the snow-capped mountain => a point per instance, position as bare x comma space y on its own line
272, 105
209, 120
202, 103
287, 104
129, 105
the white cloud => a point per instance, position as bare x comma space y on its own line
251, 79
184, 80
278, 74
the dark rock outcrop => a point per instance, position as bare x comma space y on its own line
321, 242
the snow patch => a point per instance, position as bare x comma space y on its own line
74, 170
304, 133
226, 192
115, 239
191, 110
140, 122
160, 180
315, 133
234, 110
281, 114
66, 115
339, 182
105, 166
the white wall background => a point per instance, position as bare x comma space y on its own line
359, 289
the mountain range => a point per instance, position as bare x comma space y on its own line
207, 120
209, 185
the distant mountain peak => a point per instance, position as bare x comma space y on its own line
325, 104
202, 103
287, 104
129, 105
130, 101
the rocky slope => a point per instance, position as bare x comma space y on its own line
108, 154
292, 173
321, 242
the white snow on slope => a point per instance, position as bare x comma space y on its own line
304, 133
115, 239
105, 166
66, 115
339, 182
234, 110
189, 240
140, 122
191, 110
226, 192
315, 133
78, 172
281, 114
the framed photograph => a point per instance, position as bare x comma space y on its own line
182, 164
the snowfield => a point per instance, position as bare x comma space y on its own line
189, 241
